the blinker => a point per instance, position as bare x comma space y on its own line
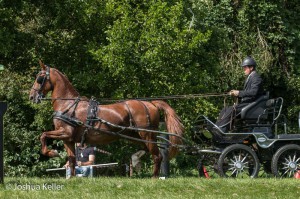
40, 79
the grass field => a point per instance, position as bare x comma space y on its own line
105, 187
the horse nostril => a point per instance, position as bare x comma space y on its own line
31, 97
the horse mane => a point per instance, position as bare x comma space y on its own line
67, 80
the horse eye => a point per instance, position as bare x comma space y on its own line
40, 79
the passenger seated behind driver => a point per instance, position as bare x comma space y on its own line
253, 89
85, 156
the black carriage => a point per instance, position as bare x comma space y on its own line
257, 143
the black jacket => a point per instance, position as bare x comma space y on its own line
252, 89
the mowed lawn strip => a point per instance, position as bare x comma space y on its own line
105, 187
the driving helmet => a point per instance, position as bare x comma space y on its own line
249, 61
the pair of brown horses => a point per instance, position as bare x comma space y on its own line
140, 114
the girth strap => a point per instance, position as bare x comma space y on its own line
69, 120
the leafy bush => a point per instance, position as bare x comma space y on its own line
127, 49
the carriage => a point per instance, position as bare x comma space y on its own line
257, 144
258, 135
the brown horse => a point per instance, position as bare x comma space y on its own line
71, 112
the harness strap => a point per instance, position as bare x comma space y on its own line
48, 76
76, 104
147, 113
77, 100
86, 130
131, 120
92, 112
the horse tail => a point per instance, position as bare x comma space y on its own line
173, 124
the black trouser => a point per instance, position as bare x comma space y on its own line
228, 114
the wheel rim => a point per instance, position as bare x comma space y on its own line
289, 163
239, 163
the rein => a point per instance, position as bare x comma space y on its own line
190, 96
123, 128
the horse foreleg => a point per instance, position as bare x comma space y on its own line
56, 134
70, 148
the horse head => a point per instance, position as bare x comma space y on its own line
42, 84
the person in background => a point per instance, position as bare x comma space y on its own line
85, 156
253, 89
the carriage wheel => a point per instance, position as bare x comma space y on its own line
238, 161
286, 161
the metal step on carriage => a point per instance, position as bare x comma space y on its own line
257, 143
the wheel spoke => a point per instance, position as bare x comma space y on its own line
284, 173
245, 157
237, 173
295, 155
235, 157
240, 156
291, 173
286, 160
233, 162
290, 158
233, 172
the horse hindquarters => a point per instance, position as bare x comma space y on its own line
143, 114
173, 125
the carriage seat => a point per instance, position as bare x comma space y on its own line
263, 114
255, 109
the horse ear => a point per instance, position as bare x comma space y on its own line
43, 67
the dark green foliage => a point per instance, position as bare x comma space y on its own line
127, 49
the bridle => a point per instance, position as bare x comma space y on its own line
41, 79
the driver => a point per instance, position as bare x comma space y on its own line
252, 90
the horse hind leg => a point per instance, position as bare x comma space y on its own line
156, 156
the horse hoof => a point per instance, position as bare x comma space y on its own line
54, 153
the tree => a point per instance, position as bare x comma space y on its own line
127, 49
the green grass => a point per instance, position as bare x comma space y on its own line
104, 187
